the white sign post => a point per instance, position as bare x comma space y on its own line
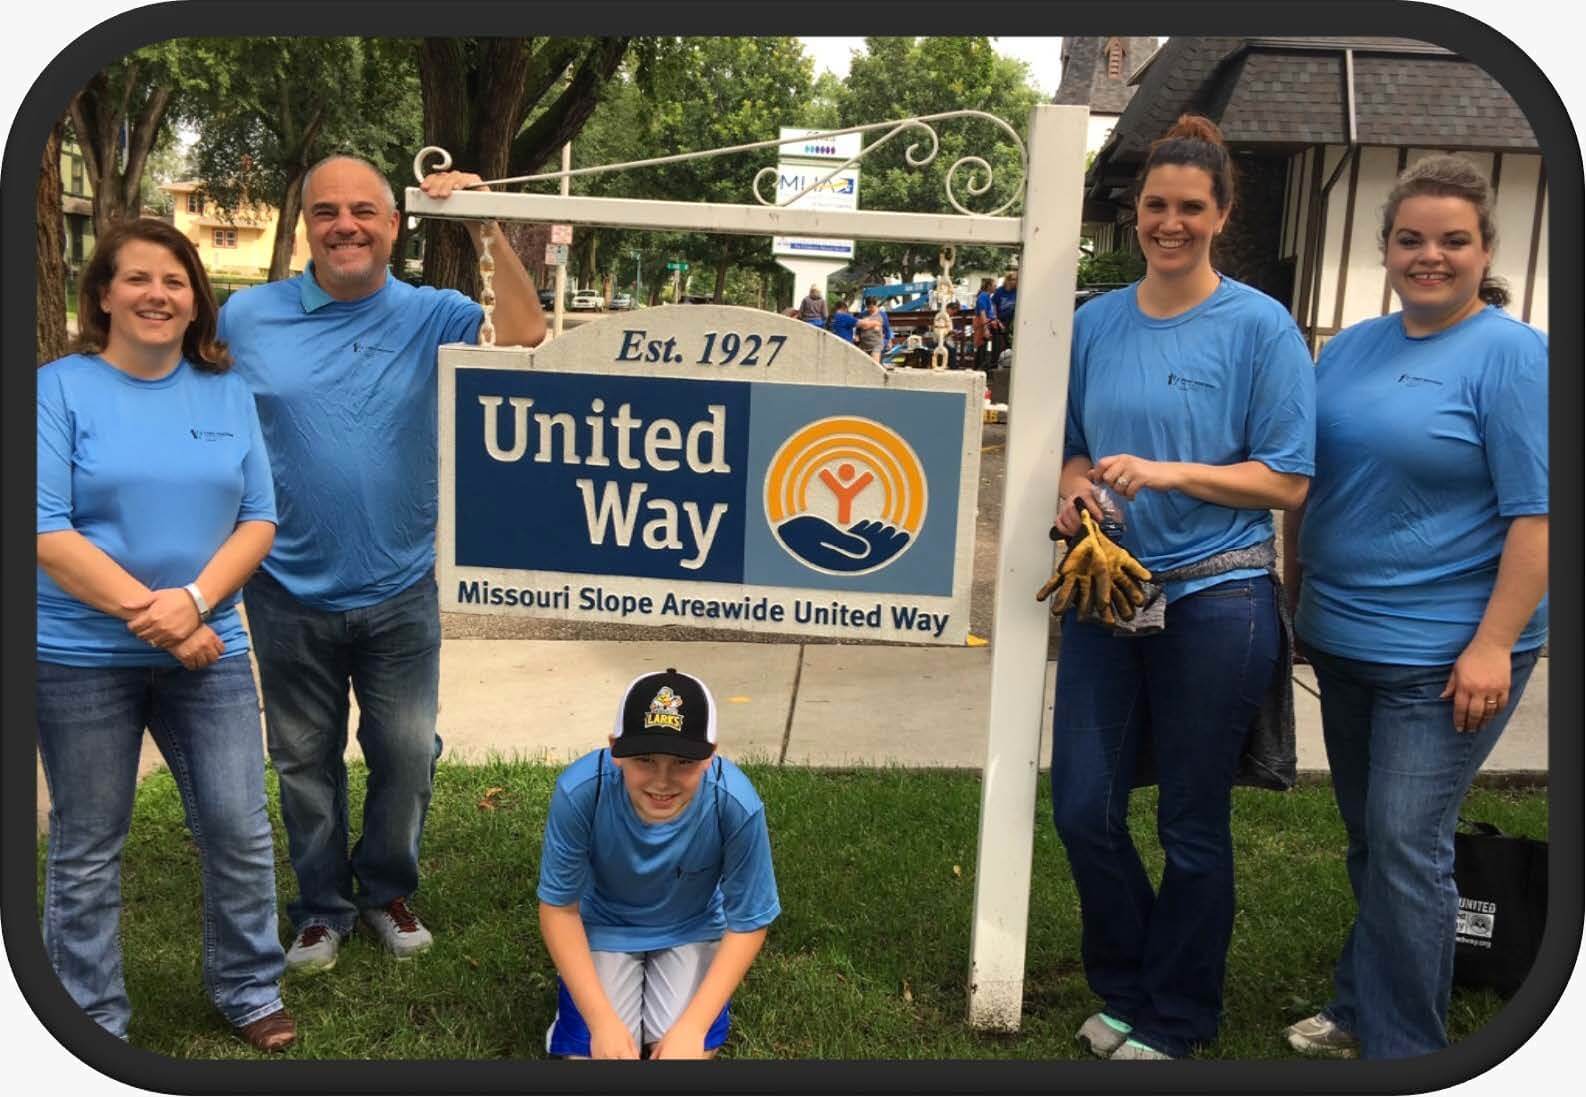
1038, 402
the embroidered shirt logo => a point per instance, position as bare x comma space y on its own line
1178, 380
209, 435
1412, 381
664, 711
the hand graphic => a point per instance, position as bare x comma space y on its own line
863, 546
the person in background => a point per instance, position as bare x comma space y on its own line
342, 362
1003, 301
812, 310
984, 322
1421, 577
1191, 400
872, 332
843, 322
154, 504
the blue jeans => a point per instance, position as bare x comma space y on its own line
390, 655
206, 723
1400, 772
1156, 958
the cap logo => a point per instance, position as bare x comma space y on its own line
663, 711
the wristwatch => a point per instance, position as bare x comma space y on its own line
198, 600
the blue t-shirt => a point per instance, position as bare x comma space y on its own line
346, 393
1224, 382
843, 326
1003, 301
157, 474
1425, 449
983, 307
643, 886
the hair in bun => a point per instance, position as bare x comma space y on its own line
1193, 141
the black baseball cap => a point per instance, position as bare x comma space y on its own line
665, 712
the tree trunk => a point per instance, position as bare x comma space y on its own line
722, 265
98, 113
49, 262
290, 203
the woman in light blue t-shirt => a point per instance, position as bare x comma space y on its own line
1423, 551
1191, 397
154, 504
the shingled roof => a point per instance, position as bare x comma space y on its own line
1085, 80
1283, 93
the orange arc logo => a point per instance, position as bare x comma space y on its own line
863, 442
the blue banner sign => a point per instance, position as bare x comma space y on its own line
709, 465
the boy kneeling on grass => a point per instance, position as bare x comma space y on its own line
655, 882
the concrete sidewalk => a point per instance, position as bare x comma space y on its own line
793, 704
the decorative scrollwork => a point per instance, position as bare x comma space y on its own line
980, 179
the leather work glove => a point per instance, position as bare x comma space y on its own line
1097, 576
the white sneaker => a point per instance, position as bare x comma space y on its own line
1134, 1049
313, 949
398, 928
1102, 1035
1320, 1035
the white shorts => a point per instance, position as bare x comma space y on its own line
648, 990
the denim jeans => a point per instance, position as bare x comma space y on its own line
1156, 958
206, 723
390, 655
1400, 772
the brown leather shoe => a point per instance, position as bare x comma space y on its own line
273, 1033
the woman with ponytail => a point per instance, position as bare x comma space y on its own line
1191, 400
1423, 552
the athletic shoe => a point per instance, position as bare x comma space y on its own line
1102, 1034
398, 928
1321, 1035
1134, 1049
313, 949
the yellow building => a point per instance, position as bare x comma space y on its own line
77, 208
238, 243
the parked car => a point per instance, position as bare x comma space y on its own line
547, 299
621, 301
585, 299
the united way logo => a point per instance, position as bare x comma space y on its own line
845, 495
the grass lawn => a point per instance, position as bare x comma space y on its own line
868, 960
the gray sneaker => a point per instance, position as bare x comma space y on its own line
1134, 1049
398, 928
1101, 1035
1320, 1035
313, 949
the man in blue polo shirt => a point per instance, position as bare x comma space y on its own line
342, 363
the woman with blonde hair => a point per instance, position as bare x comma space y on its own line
1421, 577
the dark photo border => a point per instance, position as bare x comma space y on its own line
46, 100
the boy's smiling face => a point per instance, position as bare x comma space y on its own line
660, 786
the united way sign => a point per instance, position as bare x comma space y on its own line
708, 465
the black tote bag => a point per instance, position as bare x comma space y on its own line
1502, 882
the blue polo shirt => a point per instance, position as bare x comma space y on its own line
1426, 448
347, 399
843, 326
642, 886
157, 474
1227, 381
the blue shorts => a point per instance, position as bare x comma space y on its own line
648, 990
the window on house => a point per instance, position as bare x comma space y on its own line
77, 175
195, 202
1115, 60
225, 238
